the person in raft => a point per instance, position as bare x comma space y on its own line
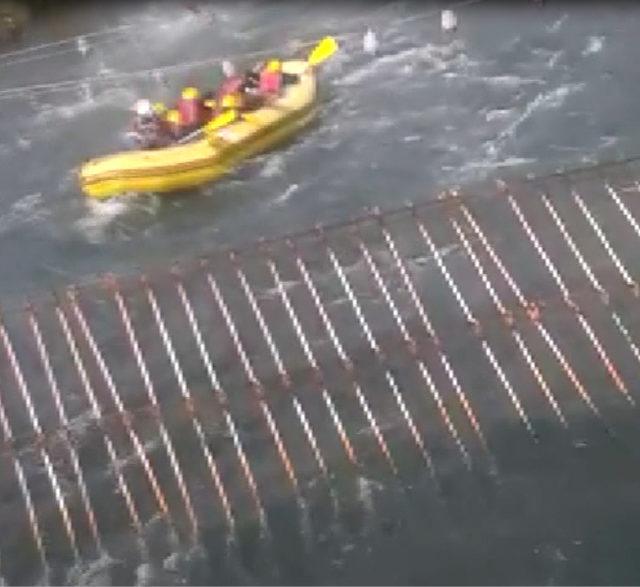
148, 129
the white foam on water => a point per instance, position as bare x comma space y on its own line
274, 293
93, 226
365, 495
23, 143
28, 208
557, 25
553, 60
175, 566
81, 424
286, 195
549, 57
96, 572
149, 447
338, 301
87, 101
145, 575
440, 57
594, 45
566, 148
511, 81
274, 166
506, 81
493, 164
419, 263
499, 114
550, 100
608, 141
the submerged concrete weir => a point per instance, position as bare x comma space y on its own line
209, 413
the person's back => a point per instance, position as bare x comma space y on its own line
230, 85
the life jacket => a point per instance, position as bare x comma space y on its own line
191, 108
270, 82
231, 85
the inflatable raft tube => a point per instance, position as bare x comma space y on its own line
204, 160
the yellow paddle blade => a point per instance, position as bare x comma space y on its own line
227, 117
322, 51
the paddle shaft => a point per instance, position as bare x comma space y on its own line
193, 135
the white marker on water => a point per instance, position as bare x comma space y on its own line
448, 21
370, 42
82, 45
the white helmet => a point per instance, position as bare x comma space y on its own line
228, 68
144, 108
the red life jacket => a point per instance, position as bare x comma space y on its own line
191, 112
270, 82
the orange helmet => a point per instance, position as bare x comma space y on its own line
274, 65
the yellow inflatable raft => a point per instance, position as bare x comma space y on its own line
206, 159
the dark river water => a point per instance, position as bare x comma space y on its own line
515, 90
519, 89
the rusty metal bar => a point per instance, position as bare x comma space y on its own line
151, 396
122, 412
346, 362
24, 489
37, 428
532, 312
169, 348
623, 208
471, 320
256, 386
364, 325
520, 343
597, 229
123, 488
582, 320
410, 343
595, 283
275, 354
428, 326
64, 424
224, 403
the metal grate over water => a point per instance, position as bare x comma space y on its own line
193, 411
